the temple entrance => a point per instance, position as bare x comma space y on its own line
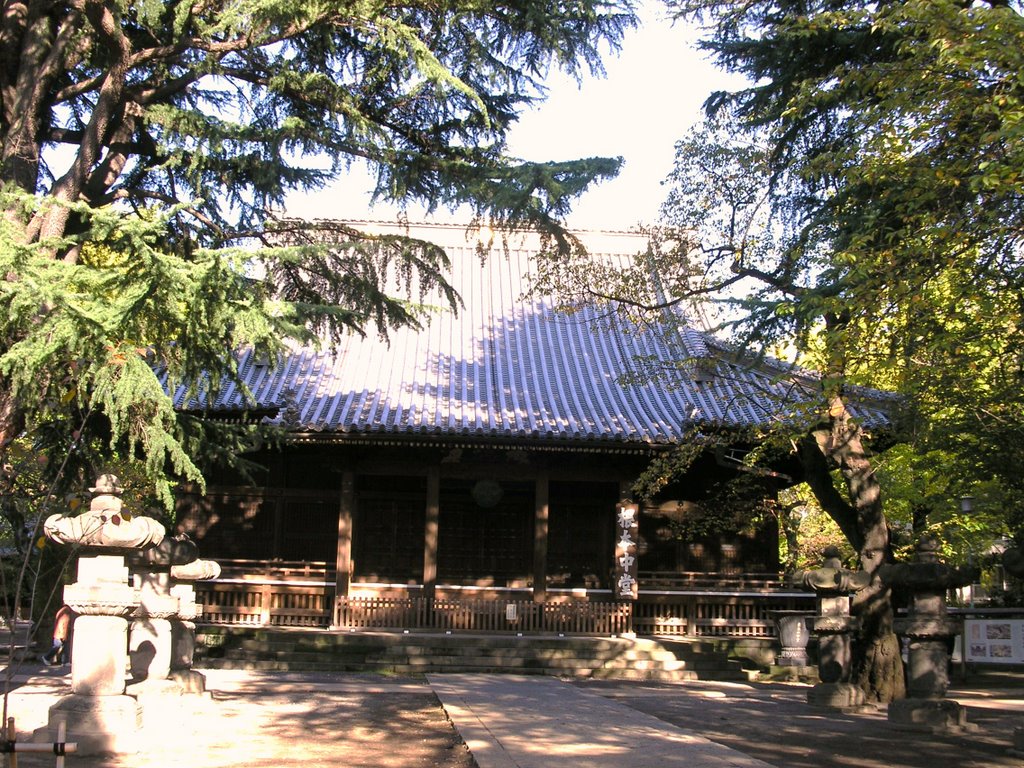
485, 532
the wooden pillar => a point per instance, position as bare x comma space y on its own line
540, 538
343, 573
430, 531
343, 557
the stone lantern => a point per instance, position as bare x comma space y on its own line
99, 716
930, 632
834, 627
183, 628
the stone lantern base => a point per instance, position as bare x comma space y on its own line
842, 696
99, 724
930, 715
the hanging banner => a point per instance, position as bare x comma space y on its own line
627, 532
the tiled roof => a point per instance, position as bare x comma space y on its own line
509, 367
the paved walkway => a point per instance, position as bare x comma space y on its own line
508, 721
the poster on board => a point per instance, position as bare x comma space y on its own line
994, 641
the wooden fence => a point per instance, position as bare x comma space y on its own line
302, 595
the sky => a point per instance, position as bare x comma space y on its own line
651, 95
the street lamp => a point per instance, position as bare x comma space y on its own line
966, 507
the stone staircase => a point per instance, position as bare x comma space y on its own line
296, 650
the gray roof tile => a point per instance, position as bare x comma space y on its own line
508, 367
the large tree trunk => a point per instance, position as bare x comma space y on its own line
838, 443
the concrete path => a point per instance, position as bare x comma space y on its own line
510, 721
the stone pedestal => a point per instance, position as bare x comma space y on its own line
151, 643
933, 715
793, 636
99, 657
99, 724
843, 696
150, 649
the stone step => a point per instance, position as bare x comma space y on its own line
401, 653
662, 675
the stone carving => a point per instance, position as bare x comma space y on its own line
197, 570
793, 636
99, 716
183, 628
151, 637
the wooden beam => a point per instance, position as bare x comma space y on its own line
540, 538
343, 575
430, 531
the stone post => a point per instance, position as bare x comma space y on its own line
834, 628
98, 714
930, 632
183, 628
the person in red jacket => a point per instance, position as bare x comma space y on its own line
57, 655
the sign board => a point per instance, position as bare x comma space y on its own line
994, 641
627, 534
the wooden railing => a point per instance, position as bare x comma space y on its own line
736, 614
259, 593
593, 618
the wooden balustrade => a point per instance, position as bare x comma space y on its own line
302, 595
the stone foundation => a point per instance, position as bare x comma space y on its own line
930, 715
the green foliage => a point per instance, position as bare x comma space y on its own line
866, 210
891, 142
808, 531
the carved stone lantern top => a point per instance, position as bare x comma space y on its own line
832, 578
106, 525
926, 572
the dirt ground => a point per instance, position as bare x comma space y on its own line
774, 723
370, 721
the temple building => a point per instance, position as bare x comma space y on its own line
477, 472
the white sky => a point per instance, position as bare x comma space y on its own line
652, 93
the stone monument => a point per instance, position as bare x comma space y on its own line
834, 628
99, 716
930, 632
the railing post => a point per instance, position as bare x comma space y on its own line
265, 598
